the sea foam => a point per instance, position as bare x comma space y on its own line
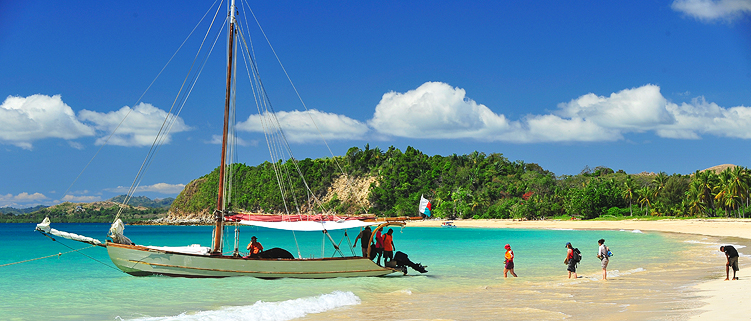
270, 311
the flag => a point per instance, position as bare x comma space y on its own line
425, 206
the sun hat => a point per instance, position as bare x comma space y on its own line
507, 246
253, 238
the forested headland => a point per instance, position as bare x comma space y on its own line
96, 212
478, 185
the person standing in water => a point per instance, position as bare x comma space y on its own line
732, 255
388, 246
378, 247
509, 267
604, 256
570, 261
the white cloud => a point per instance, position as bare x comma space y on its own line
709, 10
80, 199
439, 111
163, 188
299, 128
25, 120
21, 200
631, 109
139, 129
435, 110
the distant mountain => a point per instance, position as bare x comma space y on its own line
16, 211
143, 201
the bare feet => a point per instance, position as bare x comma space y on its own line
727, 279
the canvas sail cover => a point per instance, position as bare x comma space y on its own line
309, 225
45, 228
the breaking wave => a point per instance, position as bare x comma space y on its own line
270, 311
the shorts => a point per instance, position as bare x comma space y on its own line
509, 265
571, 266
733, 262
388, 255
604, 263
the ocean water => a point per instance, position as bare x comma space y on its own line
651, 275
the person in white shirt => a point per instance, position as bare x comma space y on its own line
602, 254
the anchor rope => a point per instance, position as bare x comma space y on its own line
45, 257
61, 253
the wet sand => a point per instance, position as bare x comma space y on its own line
717, 298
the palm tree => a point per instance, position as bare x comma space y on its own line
659, 182
724, 192
695, 207
629, 191
704, 183
646, 197
738, 185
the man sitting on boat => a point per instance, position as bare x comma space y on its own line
254, 247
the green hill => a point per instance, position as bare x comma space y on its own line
477, 185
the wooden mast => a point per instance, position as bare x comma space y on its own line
219, 212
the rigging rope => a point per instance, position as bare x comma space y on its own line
347, 179
170, 118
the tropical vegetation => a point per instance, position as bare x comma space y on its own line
477, 185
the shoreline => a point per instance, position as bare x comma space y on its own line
723, 299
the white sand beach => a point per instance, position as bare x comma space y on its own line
724, 299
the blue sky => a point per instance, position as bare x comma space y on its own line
639, 86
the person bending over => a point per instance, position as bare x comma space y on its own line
732, 255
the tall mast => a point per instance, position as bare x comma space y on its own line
219, 212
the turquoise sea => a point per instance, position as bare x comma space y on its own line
651, 276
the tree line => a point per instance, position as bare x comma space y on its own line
76, 213
476, 185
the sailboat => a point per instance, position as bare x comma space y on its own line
214, 262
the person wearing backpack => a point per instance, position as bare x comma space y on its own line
573, 257
603, 253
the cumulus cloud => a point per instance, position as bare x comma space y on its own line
25, 120
437, 110
22, 200
299, 128
709, 10
139, 129
163, 188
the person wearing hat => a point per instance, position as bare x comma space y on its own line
254, 247
509, 267
570, 261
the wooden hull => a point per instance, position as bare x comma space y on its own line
142, 261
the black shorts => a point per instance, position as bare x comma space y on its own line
571, 266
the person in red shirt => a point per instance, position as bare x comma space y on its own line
509, 266
254, 247
570, 261
388, 246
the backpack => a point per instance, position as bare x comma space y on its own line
577, 256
